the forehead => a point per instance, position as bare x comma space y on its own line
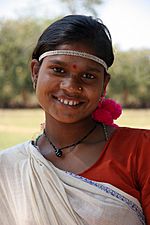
75, 54
74, 62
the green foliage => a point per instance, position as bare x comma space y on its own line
17, 39
130, 82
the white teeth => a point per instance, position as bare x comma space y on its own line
75, 103
68, 102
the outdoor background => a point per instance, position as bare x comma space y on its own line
21, 23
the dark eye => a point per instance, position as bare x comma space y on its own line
58, 70
88, 76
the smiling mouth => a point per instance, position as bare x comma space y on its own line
69, 102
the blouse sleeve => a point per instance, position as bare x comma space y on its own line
143, 171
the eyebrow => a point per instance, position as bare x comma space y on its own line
57, 62
88, 68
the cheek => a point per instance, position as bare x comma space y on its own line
43, 88
94, 96
46, 82
98, 90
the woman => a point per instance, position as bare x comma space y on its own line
80, 170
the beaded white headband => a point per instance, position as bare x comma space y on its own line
74, 53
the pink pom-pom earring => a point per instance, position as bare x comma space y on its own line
107, 111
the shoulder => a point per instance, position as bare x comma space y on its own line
133, 130
130, 141
13, 163
13, 155
134, 134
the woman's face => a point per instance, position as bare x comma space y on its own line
69, 87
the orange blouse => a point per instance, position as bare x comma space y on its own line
125, 163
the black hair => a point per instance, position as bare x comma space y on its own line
77, 28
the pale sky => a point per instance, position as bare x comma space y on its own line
127, 20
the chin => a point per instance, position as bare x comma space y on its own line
67, 121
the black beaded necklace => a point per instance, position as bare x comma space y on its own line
58, 151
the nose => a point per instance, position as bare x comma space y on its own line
71, 86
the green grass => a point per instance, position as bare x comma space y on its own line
17, 126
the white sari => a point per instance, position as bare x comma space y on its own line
34, 192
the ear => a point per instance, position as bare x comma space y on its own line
107, 78
35, 66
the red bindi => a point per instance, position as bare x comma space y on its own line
74, 66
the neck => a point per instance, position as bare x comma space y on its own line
62, 134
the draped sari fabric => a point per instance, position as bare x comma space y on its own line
34, 192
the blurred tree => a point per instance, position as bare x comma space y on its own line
74, 6
130, 82
16, 42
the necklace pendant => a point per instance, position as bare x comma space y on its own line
58, 152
